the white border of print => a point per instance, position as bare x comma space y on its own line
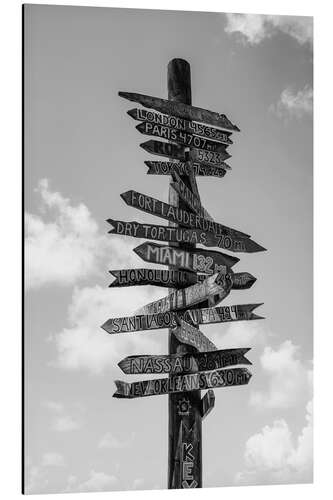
10, 377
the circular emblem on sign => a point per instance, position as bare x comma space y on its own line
184, 407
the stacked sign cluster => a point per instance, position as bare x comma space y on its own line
197, 141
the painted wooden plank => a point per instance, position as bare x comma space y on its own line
197, 260
182, 383
177, 152
170, 213
145, 115
217, 287
130, 324
181, 110
184, 363
157, 277
183, 168
190, 335
188, 196
183, 235
184, 138
207, 403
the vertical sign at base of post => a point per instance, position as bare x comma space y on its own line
185, 428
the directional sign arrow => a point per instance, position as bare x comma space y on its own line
198, 260
207, 403
181, 110
183, 235
183, 383
215, 287
184, 363
154, 206
159, 277
144, 115
187, 195
209, 157
184, 138
184, 168
128, 324
188, 334
222, 314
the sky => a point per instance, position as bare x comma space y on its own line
81, 151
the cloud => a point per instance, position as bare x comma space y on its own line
254, 28
84, 345
289, 380
273, 456
97, 481
63, 244
53, 459
109, 440
238, 334
61, 420
294, 104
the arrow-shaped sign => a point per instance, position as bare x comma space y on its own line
154, 206
181, 110
183, 383
198, 260
144, 115
207, 403
191, 200
159, 277
183, 168
190, 335
177, 152
157, 321
184, 363
215, 287
222, 314
183, 138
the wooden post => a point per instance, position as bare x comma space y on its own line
184, 451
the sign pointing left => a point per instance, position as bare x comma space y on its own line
183, 383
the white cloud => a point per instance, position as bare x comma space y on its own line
109, 440
273, 456
97, 481
238, 334
53, 459
85, 345
254, 28
139, 483
294, 104
289, 380
63, 244
61, 420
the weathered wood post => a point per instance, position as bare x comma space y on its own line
184, 452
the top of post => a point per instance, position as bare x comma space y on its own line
179, 81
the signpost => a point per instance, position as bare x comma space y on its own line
198, 260
185, 235
182, 383
184, 138
184, 363
180, 109
202, 130
197, 278
173, 214
183, 168
140, 322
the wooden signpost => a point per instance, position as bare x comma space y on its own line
182, 383
183, 138
181, 110
140, 322
197, 278
183, 168
153, 206
219, 283
184, 363
185, 235
200, 129
199, 260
